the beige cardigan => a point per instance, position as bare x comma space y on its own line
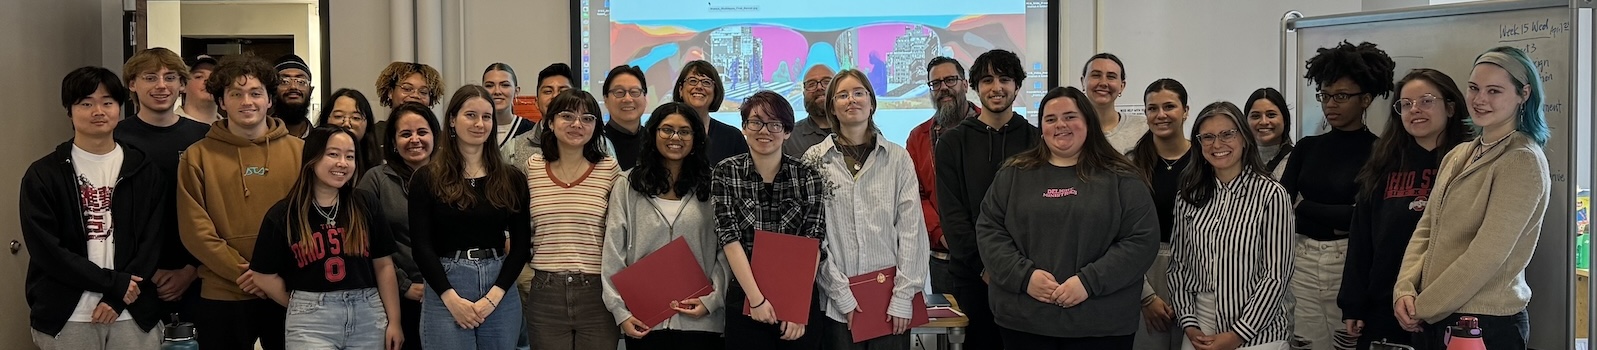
1469, 251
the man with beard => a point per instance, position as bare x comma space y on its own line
945, 77
814, 128
293, 96
967, 157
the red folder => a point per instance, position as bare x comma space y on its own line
669, 274
872, 292
785, 271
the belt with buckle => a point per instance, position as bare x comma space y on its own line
477, 253
940, 255
568, 277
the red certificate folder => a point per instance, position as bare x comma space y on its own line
785, 271
872, 292
669, 274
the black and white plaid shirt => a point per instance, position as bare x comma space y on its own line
793, 204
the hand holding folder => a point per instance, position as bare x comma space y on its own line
784, 269
655, 284
873, 292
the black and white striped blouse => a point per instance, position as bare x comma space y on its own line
1239, 248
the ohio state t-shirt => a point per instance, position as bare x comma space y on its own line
97, 175
329, 260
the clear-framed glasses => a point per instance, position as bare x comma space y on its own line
856, 94
296, 81
569, 117
169, 79
1223, 136
413, 90
698, 82
1424, 102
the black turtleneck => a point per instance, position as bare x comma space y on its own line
1320, 178
627, 144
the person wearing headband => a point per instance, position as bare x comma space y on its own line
1464, 260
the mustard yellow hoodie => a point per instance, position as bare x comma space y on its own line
226, 183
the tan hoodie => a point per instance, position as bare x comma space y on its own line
226, 183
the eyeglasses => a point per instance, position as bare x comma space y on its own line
412, 90
1339, 98
296, 81
772, 126
573, 117
856, 94
670, 133
1224, 136
1424, 102
945, 82
619, 93
151, 78
817, 83
698, 82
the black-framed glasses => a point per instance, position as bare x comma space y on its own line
772, 126
698, 82
945, 82
1424, 102
1223, 136
817, 83
569, 117
1338, 97
670, 133
619, 93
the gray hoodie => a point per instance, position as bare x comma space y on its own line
634, 227
386, 184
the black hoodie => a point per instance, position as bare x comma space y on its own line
59, 270
967, 157
1382, 226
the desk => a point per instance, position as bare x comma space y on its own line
950, 331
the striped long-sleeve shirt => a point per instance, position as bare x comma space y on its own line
568, 218
873, 221
1239, 247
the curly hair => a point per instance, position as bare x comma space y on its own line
235, 67
1368, 66
397, 71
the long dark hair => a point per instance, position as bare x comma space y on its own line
391, 141
1275, 98
448, 166
1388, 155
1097, 155
370, 155
572, 101
302, 196
1144, 155
651, 177
1197, 182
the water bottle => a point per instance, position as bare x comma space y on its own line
1466, 335
179, 336
1582, 251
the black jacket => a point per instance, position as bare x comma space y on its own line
52, 225
967, 158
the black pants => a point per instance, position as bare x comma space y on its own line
1022, 340
670, 339
942, 280
839, 337
1383, 327
184, 306
410, 322
236, 325
1499, 332
743, 332
982, 333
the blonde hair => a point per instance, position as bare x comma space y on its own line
153, 59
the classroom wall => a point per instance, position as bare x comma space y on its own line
232, 19
58, 36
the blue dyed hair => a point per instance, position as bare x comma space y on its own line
1530, 120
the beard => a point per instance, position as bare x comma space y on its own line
814, 106
951, 112
1007, 105
292, 113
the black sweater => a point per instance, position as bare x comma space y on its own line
59, 270
1381, 229
1320, 174
967, 158
627, 144
163, 146
438, 229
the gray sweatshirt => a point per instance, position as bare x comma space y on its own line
1103, 231
635, 227
389, 188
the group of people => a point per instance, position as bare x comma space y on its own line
1089, 230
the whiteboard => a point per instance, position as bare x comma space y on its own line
1448, 38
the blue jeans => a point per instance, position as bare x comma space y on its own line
345, 319
471, 280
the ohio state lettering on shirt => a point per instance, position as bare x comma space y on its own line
330, 259
1414, 184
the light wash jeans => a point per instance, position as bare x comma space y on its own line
346, 319
471, 279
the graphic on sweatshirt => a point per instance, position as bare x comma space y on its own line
1414, 184
96, 202
255, 171
1059, 192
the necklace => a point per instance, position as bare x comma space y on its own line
1168, 165
1487, 147
853, 152
331, 214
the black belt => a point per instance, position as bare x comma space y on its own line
477, 253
